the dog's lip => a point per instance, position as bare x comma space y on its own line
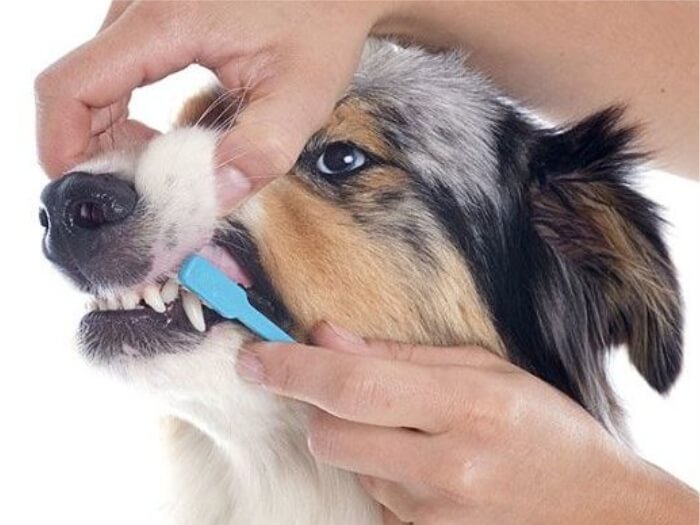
139, 333
173, 317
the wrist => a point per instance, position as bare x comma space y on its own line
663, 499
643, 494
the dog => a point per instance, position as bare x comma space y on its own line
430, 209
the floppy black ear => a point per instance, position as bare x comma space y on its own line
609, 235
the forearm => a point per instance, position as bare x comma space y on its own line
566, 59
647, 495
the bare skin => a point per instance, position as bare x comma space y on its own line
569, 58
565, 60
459, 435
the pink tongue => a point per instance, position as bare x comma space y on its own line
227, 264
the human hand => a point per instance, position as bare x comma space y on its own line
294, 61
459, 435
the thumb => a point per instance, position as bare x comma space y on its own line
282, 114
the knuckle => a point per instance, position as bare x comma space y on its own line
512, 410
497, 408
505, 410
454, 480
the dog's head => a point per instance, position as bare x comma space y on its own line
429, 209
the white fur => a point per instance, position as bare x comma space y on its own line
174, 175
243, 457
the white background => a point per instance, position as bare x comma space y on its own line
76, 447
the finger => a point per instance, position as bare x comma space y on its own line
334, 337
368, 449
131, 52
125, 135
399, 505
389, 518
285, 109
116, 9
358, 388
103, 119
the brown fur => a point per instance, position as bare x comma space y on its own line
324, 266
352, 121
584, 220
333, 267
211, 108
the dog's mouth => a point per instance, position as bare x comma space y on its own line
163, 317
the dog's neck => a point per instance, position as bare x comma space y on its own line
239, 454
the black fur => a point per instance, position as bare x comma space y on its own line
557, 313
237, 240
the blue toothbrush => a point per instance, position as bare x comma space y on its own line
227, 298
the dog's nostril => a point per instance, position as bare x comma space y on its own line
84, 201
81, 213
43, 218
89, 215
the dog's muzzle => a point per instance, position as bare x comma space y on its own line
84, 217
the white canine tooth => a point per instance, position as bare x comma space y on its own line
102, 304
129, 300
112, 302
151, 295
91, 305
169, 291
193, 310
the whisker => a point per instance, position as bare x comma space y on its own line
213, 105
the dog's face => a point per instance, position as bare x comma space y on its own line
427, 210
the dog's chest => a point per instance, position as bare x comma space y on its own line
275, 482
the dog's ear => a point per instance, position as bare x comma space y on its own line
213, 107
608, 235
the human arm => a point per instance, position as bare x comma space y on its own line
458, 435
294, 60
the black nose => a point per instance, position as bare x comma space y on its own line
82, 200
79, 211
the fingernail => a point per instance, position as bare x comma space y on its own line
250, 368
232, 187
345, 334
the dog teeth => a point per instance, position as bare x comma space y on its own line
170, 290
151, 295
193, 311
157, 298
130, 300
112, 302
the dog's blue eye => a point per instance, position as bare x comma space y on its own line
340, 158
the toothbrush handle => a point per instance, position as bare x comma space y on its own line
263, 327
